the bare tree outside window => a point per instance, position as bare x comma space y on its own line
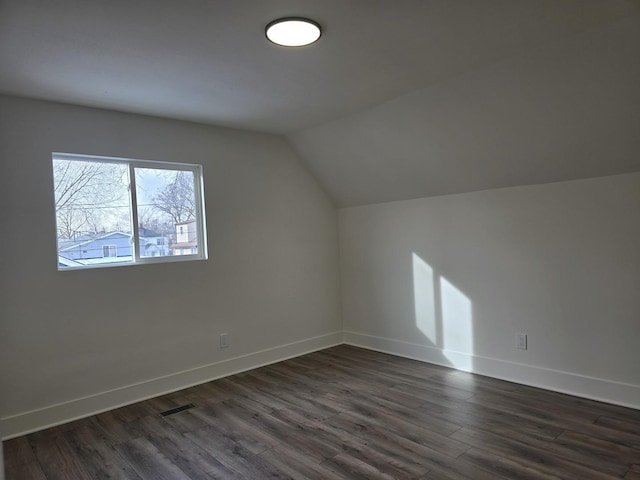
176, 198
90, 197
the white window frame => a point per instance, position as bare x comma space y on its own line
201, 224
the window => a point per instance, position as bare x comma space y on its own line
113, 211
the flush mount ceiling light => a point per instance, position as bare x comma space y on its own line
293, 31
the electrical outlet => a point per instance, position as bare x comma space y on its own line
521, 341
224, 340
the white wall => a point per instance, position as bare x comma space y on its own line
446, 279
452, 279
75, 342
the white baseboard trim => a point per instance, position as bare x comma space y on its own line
617, 393
32, 421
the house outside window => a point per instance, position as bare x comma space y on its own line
186, 239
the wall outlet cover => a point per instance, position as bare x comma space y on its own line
521, 341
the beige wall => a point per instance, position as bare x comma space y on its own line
452, 279
76, 338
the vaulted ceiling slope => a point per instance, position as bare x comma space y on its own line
399, 99
563, 111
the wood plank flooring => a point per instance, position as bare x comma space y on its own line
342, 413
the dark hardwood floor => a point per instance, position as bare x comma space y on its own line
342, 413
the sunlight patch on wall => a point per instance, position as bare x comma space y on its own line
457, 324
443, 314
424, 299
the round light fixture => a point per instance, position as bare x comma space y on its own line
293, 31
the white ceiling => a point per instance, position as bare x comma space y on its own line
398, 99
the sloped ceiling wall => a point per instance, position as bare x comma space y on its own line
563, 111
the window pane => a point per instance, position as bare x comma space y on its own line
167, 213
93, 217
